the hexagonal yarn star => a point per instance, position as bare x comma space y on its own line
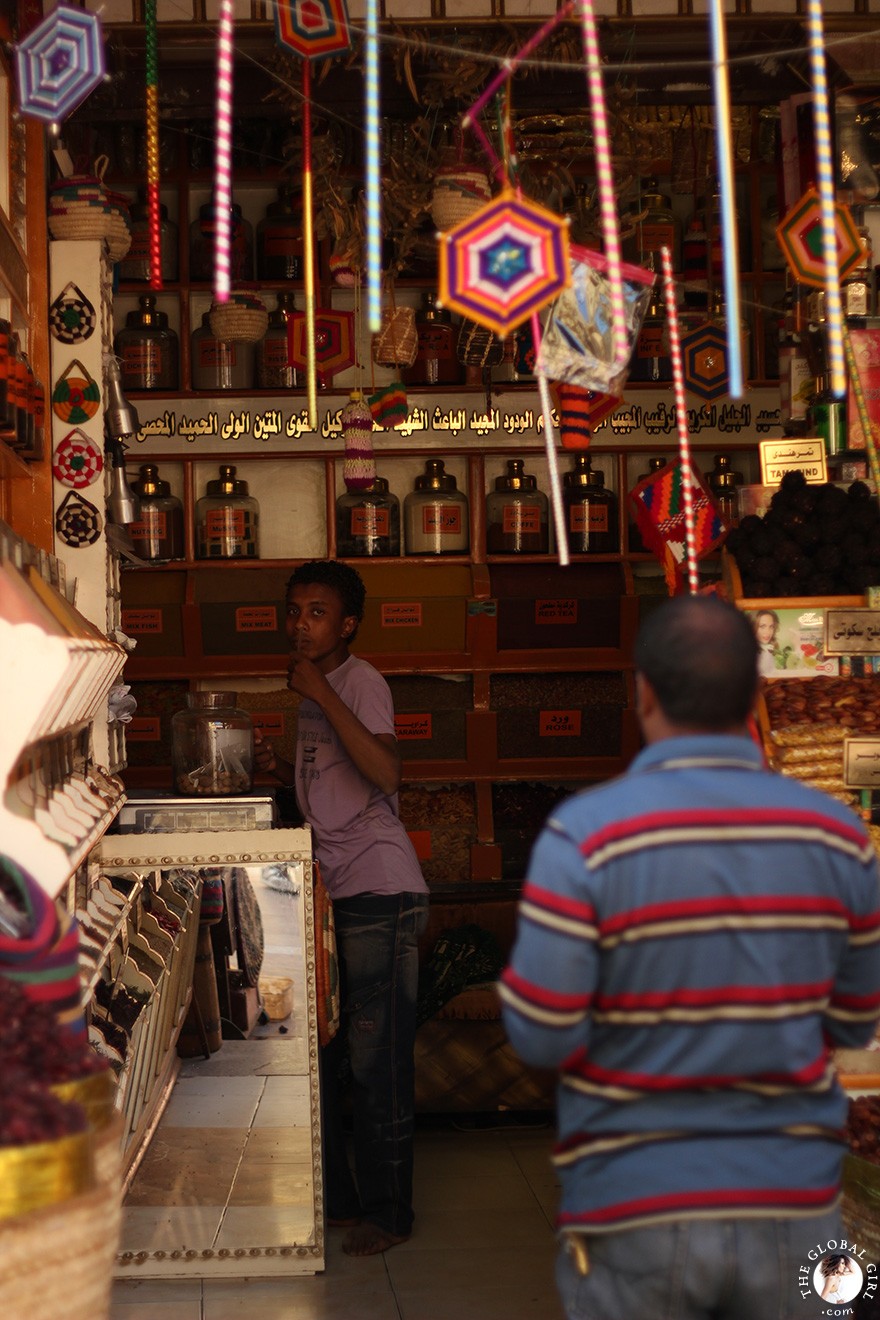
59, 63
704, 361
504, 262
799, 234
312, 29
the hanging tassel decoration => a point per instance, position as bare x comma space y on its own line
359, 465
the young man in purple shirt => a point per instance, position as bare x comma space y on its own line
346, 775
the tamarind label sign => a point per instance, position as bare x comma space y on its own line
835, 1275
792, 455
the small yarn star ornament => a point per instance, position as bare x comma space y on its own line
359, 465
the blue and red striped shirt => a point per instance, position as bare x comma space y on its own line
694, 939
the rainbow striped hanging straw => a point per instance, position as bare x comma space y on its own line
684, 443
373, 174
825, 186
309, 247
223, 157
728, 208
152, 126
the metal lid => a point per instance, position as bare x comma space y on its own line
580, 472
653, 197
435, 477
150, 483
285, 308
147, 314
516, 479
226, 483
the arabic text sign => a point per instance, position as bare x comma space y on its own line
861, 762
852, 632
781, 456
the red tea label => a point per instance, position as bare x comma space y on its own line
559, 723
256, 618
367, 521
143, 728
441, 520
272, 725
421, 841
518, 518
412, 727
556, 611
400, 615
138, 622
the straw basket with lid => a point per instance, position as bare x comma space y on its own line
81, 207
461, 187
243, 319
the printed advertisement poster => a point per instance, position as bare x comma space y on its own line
791, 643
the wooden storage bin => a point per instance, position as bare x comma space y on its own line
413, 608
242, 613
152, 612
430, 716
545, 607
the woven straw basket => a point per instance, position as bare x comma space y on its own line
241, 322
478, 346
459, 191
396, 343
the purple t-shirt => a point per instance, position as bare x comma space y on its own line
359, 840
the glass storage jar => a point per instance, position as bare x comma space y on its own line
516, 514
219, 364
280, 239
158, 533
368, 522
659, 228
636, 540
201, 244
274, 372
227, 519
436, 361
135, 265
590, 510
212, 746
148, 351
435, 514
651, 360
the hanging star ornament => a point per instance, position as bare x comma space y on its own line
59, 63
312, 29
504, 262
800, 236
704, 361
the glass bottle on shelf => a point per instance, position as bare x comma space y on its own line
227, 519
636, 543
274, 372
590, 510
516, 514
435, 514
158, 533
827, 418
280, 239
219, 364
660, 228
368, 522
436, 361
135, 265
650, 360
857, 290
796, 376
724, 481
212, 746
148, 350
201, 244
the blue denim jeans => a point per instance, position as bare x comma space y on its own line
710, 1269
377, 945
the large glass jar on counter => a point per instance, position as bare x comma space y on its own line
227, 519
219, 364
157, 535
435, 514
212, 746
201, 244
590, 510
516, 514
274, 372
148, 350
135, 265
368, 522
436, 361
280, 239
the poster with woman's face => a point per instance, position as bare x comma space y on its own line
790, 643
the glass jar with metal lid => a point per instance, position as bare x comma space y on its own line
148, 350
636, 541
658, 228
274, 372
227, 519
212, 746
516, 514
368, 522
280, 239
157, 535
201, 244
219, 364
590, 510
135, 265
435, 514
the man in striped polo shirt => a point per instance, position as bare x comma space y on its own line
694, 939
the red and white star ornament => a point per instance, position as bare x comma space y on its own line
77, 461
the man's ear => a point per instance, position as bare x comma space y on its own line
646, 698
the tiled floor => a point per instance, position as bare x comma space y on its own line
483, 1247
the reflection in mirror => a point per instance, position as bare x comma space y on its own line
227, 1176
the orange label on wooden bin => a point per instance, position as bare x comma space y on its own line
398, 614
412, 726
559, 723
142, 728
256, 618
142, 621
421, 841
556, 611
271, 725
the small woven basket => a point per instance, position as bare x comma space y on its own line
243, 319
459, 191
395, 344
478, 346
